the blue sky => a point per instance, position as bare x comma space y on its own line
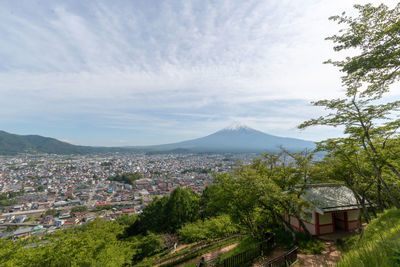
152, 72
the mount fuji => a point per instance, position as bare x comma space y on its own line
238, 138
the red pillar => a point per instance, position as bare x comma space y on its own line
316, 223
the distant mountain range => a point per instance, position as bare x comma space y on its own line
237, 138
234, 139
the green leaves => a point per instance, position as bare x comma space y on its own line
95, 244
168, 213
375, 35
370, 123
257, 195
212, 228
127, 178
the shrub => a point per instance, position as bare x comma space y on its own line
217, 227
309, 245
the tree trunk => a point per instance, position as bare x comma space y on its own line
379, 191
364, 209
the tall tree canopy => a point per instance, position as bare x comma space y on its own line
370, 121
168, 213
375, 34
258, 195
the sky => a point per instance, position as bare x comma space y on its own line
140, 72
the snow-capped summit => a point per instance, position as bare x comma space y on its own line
237, 126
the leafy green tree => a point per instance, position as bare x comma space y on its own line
148, 245
168, 213
52, 212
127, 178
182, 207
369, 122
79, 209
217, 227
258, 195
213, 202
94, 244
151, 219
126, 219
374, 35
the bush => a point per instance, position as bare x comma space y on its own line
78, 209
309, 245
245, 244
217, 227
149, 245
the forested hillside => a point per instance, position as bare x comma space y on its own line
12, 144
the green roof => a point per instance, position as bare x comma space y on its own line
330, 197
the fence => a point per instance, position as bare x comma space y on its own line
171, 261
249, 255
285, 260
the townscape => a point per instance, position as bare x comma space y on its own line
43, 193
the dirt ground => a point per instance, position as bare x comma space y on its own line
328, 257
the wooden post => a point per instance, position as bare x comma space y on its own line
346, 221
316, 223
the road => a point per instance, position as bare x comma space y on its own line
25, 212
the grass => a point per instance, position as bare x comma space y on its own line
245, 244
192, 264
379, 245
309, 245
202, 251
306, 245
162, 257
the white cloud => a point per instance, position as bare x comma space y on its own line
138, 63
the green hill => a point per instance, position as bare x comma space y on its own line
11, 144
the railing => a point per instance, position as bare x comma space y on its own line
285, 260
202, 245
249, 255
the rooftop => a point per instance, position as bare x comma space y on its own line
330, 197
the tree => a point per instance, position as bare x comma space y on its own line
259, 195
217, 227
168, 213
182, 207
375, 34
148, 245
127, 178
79, 209
369, 122
94, 244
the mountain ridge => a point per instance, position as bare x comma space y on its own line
232, 139
239, 138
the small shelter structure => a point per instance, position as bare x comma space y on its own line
332, 208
